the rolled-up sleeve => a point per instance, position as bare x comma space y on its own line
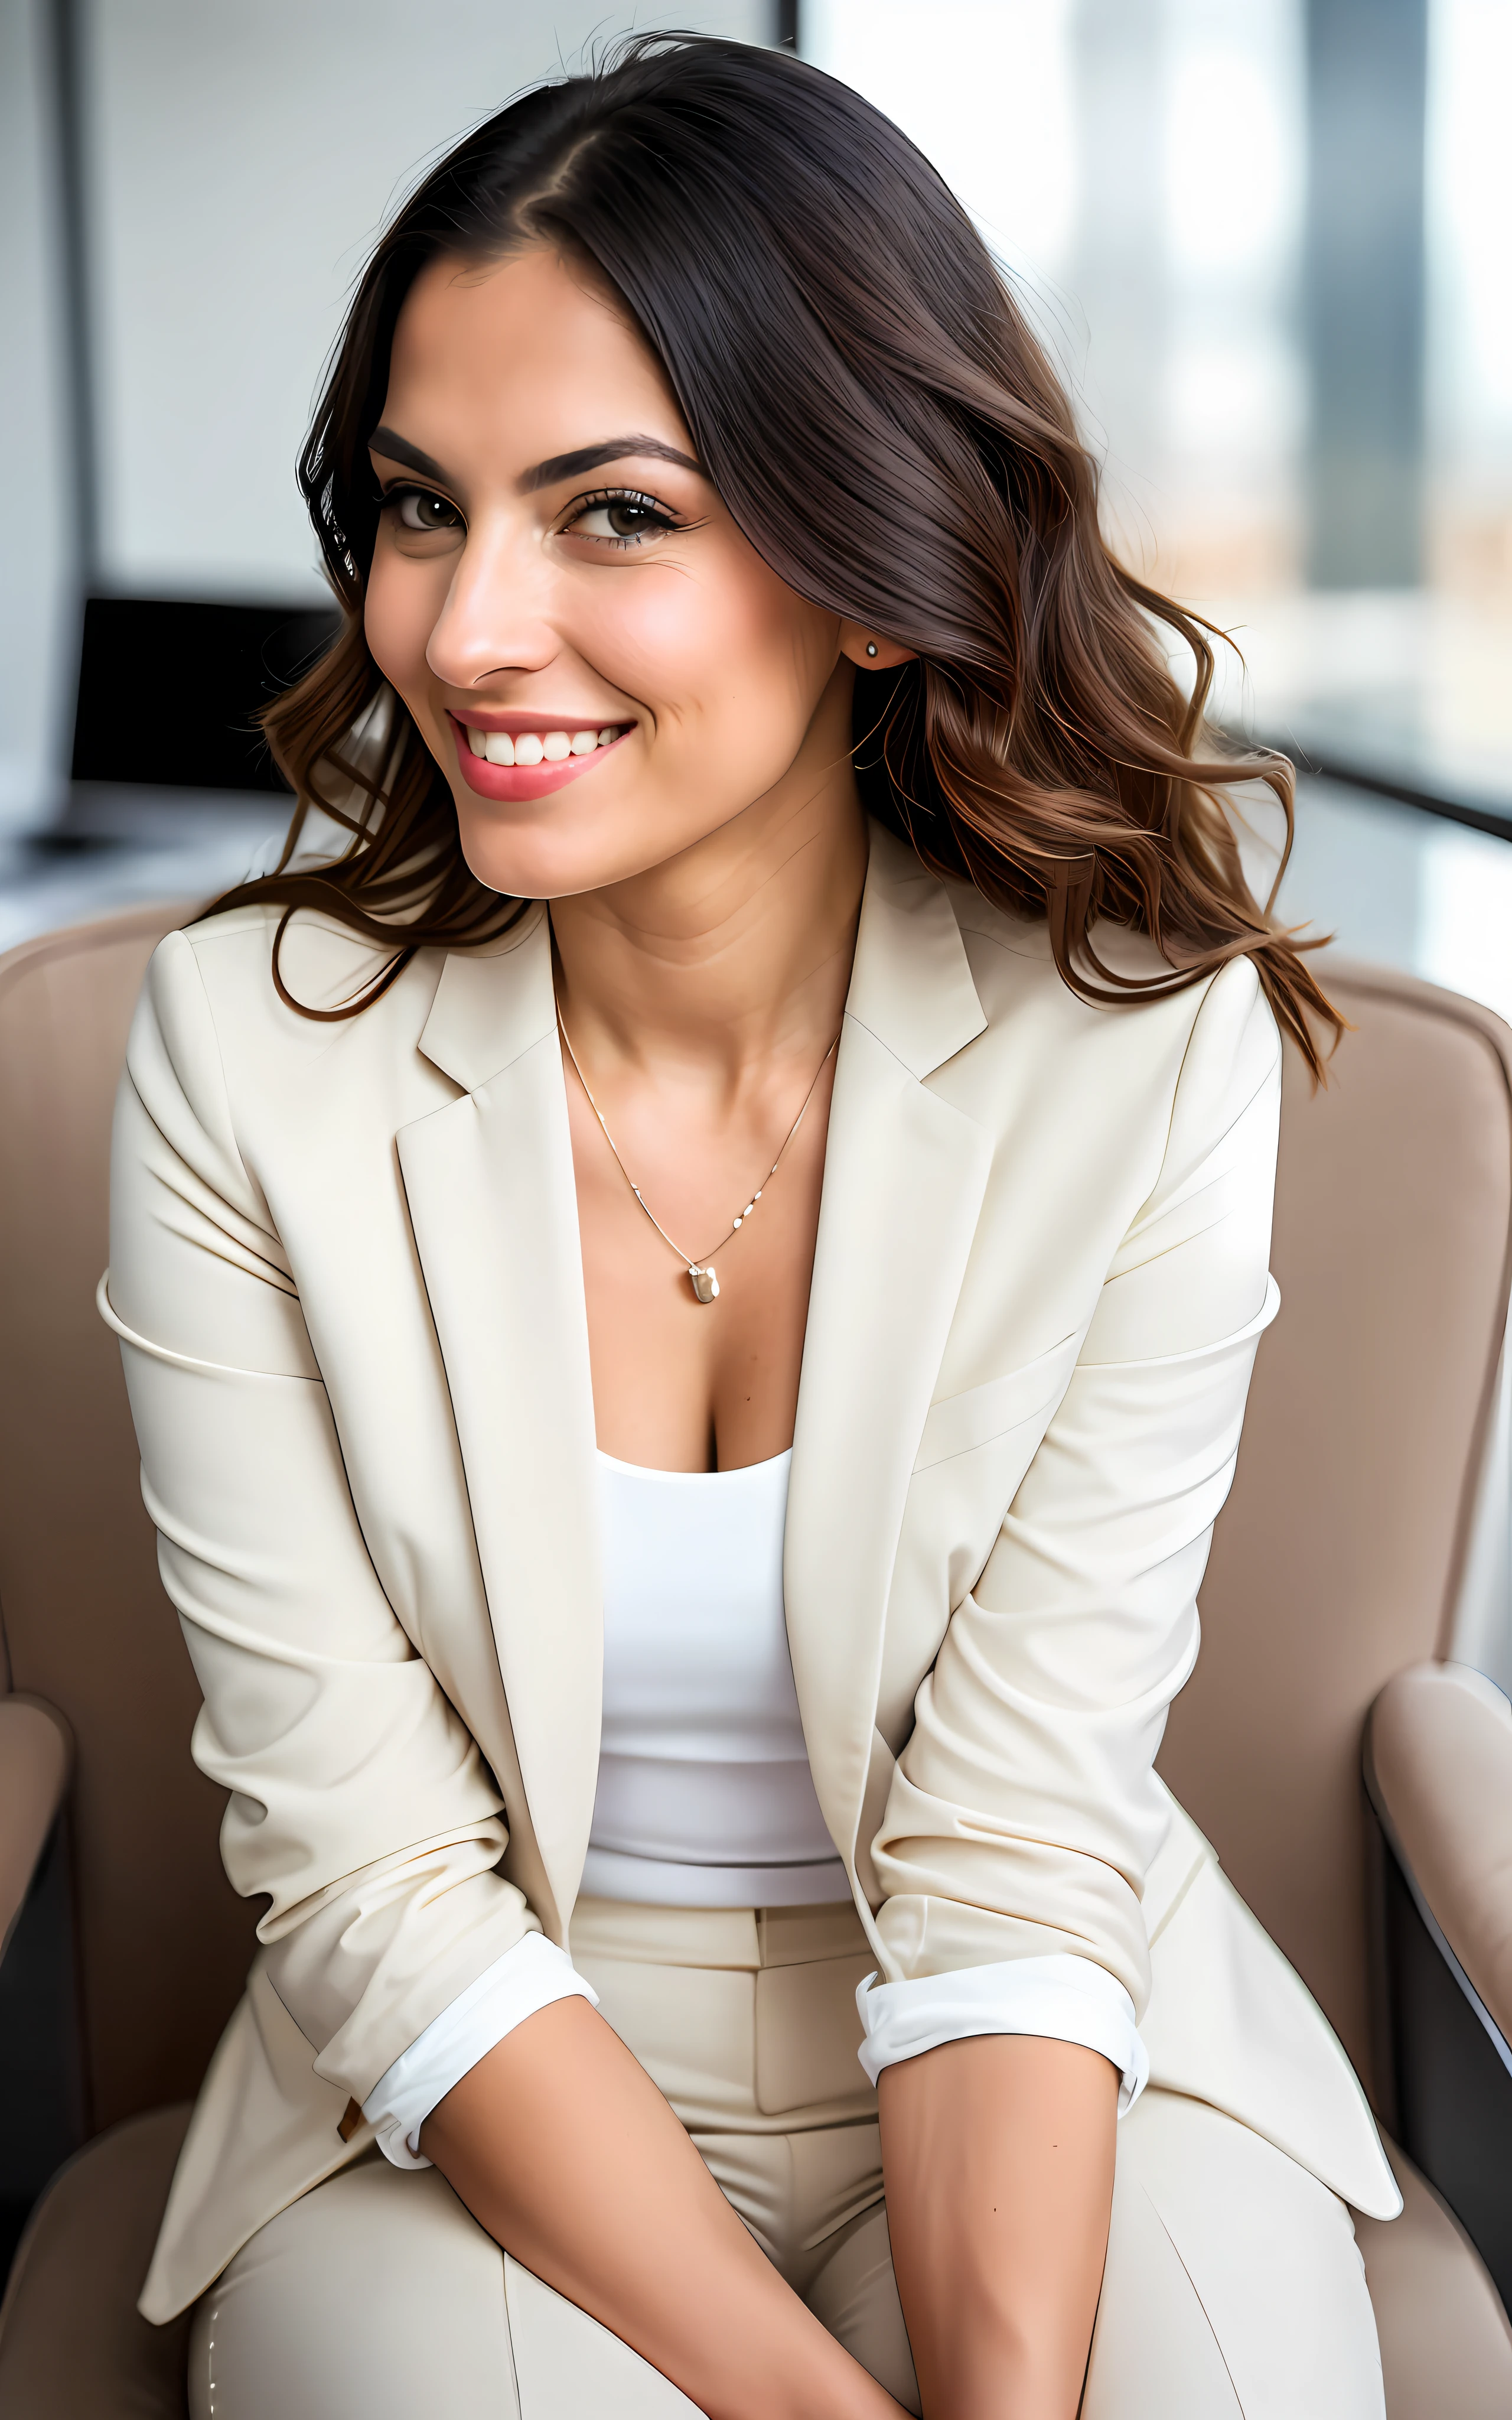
360, 1806
533, 1975
1023, 1812
1061, 1998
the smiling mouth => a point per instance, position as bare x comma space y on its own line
520, 758
541, 747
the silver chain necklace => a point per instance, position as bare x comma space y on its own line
700, 1272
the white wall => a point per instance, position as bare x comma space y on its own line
36, 587
244, 155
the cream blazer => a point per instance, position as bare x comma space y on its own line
344, 1272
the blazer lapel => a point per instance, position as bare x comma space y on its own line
492, 1201
905, 1175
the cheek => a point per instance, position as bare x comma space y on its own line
768, 650
701, 649
399, 614
653, 634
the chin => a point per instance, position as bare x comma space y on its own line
548, 861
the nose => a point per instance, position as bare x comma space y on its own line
494, 619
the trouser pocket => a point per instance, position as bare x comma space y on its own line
807, 2033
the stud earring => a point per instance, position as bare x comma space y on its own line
871, 646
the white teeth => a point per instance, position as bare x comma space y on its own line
538, 748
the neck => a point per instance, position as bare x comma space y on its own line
738, 951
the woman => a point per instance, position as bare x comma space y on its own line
689, 1305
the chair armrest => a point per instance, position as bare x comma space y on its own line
1439, 1770
35, 1755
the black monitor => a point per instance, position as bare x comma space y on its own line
168, 689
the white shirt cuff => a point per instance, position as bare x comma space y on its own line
1064, 1998
529, 1977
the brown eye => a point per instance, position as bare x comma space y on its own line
417, 508
621, 521
630, 521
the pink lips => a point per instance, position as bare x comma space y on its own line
520, 781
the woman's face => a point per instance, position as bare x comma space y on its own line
555, 582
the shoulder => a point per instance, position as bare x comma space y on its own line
212, 1030
219, 971
321, 959
1012, 960
1108, 1085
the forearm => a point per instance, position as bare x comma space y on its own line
998, 2158
563, 2148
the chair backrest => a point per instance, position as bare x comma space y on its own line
1335, 1563
163, 1943
1338, 1558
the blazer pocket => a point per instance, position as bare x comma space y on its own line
974, 1417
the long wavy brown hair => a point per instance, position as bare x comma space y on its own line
869, 402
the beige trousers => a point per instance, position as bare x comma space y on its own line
1233, 2289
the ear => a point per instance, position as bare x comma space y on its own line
856, 641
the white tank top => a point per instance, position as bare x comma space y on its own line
704, 1794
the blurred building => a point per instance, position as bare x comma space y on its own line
1266, 242
1266, 238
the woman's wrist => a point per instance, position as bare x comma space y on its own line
998, 2153
562, 2146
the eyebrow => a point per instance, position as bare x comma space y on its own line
593, 457
395, 448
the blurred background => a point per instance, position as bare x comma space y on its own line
1265, 240
1268, 242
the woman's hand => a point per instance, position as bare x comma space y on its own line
563, 2148
998, 2158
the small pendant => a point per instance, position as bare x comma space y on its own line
705, 1284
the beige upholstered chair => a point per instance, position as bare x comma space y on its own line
1332, 1587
